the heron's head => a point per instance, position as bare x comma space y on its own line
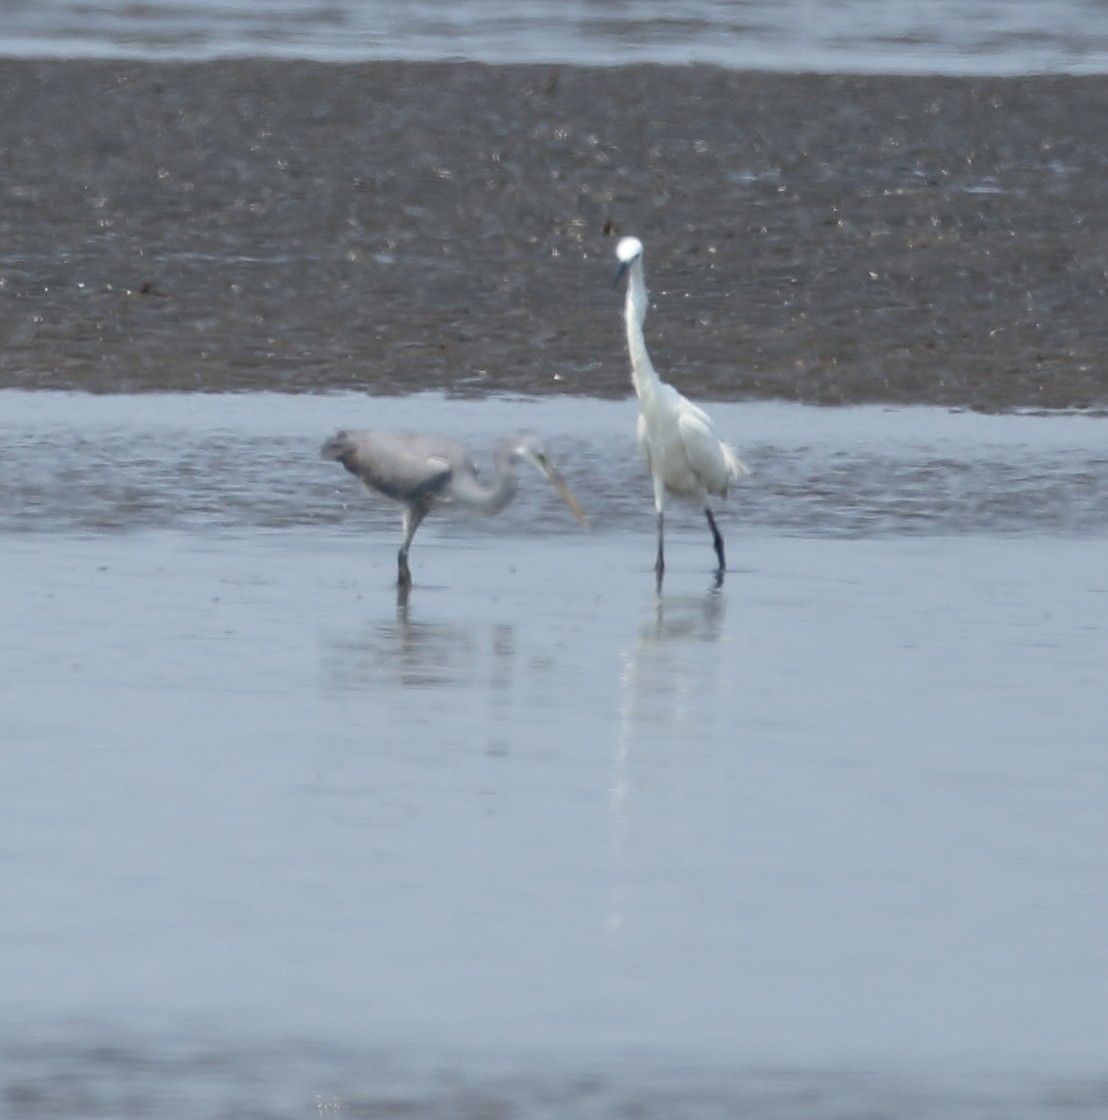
527, 445
628, 251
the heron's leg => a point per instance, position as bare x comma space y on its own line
717, 540
410, 519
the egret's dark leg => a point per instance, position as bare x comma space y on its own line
660, 506
660, 562
717, 540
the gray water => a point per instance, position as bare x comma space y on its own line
854, 36
826, 841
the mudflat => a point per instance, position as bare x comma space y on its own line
394, 227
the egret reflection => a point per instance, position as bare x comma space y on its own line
668, 679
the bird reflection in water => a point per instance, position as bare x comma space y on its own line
668, 672
402, 651
407, 652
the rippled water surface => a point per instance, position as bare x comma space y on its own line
932, 36
79, 463
825, 841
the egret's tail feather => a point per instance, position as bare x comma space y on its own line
736, 466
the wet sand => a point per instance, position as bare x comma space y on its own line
396, 227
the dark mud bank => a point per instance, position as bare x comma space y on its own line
395, 227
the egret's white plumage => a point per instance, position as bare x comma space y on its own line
423, 473
684, 455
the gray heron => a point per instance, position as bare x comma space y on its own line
424, 472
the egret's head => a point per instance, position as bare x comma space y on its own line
628, 251
527, 445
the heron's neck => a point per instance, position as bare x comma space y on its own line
643, 373
494, 496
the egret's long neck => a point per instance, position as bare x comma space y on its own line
493, 497
634, 312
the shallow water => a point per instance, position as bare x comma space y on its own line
224, 463
859, 36
828, 840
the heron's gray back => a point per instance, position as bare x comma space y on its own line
403, 466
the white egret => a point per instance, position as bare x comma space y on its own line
684, 455
423, 473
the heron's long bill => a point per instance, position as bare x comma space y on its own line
559, 484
